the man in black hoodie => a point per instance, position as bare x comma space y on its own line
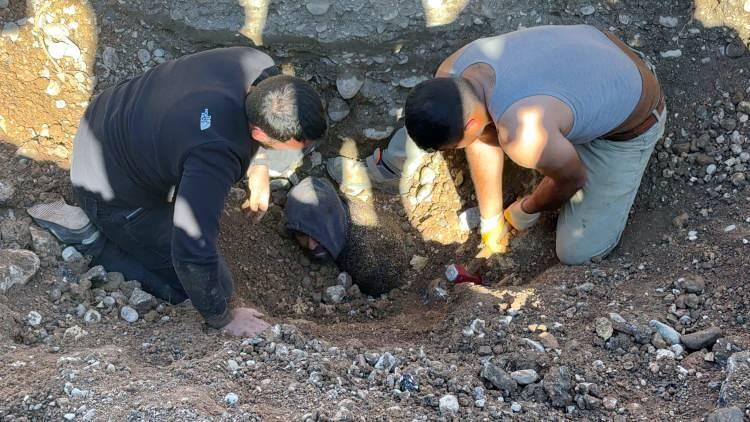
155, 157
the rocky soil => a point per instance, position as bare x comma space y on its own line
657, 331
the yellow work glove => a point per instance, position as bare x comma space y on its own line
495, 236
518, 218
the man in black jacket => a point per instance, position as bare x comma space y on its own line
155, 157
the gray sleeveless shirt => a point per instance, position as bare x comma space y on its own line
576, 64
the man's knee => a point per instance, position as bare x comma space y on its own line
580, 251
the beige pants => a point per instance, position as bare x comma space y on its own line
591, 223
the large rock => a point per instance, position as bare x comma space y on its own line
498, 378
142, 301
727, 414
558, 384
16, 267
701, 339
735, 391
45, 245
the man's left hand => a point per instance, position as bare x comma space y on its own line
260, 191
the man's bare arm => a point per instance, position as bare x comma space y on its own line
485, 159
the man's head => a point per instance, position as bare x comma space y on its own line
285, 112
444, 113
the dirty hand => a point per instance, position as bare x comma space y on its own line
518, 218
245, 322
258, 184
495, 236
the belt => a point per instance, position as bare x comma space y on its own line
641, 128
650, 105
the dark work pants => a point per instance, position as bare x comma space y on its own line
137, 243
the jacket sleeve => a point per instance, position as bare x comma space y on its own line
208, 173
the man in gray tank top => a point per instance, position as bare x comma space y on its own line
572, 102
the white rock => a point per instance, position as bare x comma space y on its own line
524, 376
668, 21
671, 54
92, 316
730, 228
129, 314
33, 318
418, 262
449, 404
747, 6
587, 10
516, 407
233, 365
231, 399
377, 134
159, 52
60, 103
71, 254
711, 169
664, 354
334, 294
53, 88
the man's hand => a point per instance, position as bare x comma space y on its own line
245, 322
495, 237
260, 191
518, 218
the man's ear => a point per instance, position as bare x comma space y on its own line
258, 134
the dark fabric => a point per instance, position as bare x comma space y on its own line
313, 207
158, 154
135, 136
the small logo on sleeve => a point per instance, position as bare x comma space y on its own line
205, 120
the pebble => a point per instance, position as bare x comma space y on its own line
233, 365
33, 318
469, 219
374, 134
498, 378
10, 31
411, 81
669, 334
603, 328
515, 407
524, 376
92, 316
109, 57
345, 280
701, 339
71, 254
6, 193
318, 7
53, 88
142, 301
662, 354
129, 314
734, 49
338, 109
668, 21
231, 399
691, 284
449, 404
69, 416
60, 103
671, 54
418, 262
348, 83
144, 56
587, 10
549, 341
334, 294
610, 403
386, 362
534, 344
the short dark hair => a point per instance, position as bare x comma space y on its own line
286, 107
434, 112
